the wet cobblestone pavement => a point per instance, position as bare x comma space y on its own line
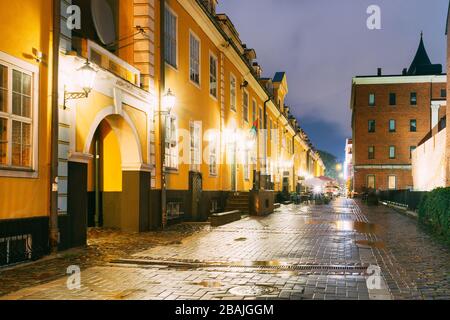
299, 252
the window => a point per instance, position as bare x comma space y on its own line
194, 59
371, 99
253, 111
371, 125
392, 182
213, 157
371, 152
232, 93
413, 125
195, 133
411, 150
371, 182
171, 144
392, 99
247, 165
391, 125
17, 111
245, 106
170, 32
443, 93
261, 118
413, 98
213, 76
391, 152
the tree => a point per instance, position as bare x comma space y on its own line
330, 161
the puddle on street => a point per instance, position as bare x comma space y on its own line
208, 284
252, 290
348, 225
370, 244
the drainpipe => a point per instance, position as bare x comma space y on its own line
265, 136
53, 221
162, 129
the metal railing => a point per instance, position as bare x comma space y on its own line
404, 198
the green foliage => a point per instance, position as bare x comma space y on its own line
434, 211
330, 161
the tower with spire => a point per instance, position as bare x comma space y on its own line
421, 65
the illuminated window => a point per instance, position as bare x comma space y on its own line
371, 182
392, 182
195, 133
253, 111
232, 93
194, 59
213, 157
17, 108
213, 76
170, 32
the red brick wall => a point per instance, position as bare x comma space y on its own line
402, 139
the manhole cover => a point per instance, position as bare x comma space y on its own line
252, 290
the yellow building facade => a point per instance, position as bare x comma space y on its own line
126, 158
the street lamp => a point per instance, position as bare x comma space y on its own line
87, 77
168, 102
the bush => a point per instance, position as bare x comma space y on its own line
434, 211
372, 199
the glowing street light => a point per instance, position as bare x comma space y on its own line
168, 102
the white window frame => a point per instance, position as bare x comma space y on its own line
172, 157
215, 76
233, 92
195, 145
173, 13
245, 104
192, 35
395, 152
14, 63
213, 157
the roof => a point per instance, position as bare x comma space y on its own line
421, 65
279, 76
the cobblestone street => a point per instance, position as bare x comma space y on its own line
299, 252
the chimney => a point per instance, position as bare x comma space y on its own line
379, 72
257, 68
210, 5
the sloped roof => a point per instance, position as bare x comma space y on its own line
421, 65
279, 76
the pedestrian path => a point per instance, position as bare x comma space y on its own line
299, 252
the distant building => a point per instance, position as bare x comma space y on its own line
391, 116
348, 164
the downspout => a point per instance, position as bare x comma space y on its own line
53, 221
162, 88
265, 136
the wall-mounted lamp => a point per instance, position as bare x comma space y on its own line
244, 84
168, 103
87, 78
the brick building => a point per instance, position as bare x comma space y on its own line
391, 115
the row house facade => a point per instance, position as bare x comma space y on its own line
162, 116
391, 115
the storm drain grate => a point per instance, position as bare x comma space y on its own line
260, 265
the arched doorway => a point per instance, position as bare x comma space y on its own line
112, 188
